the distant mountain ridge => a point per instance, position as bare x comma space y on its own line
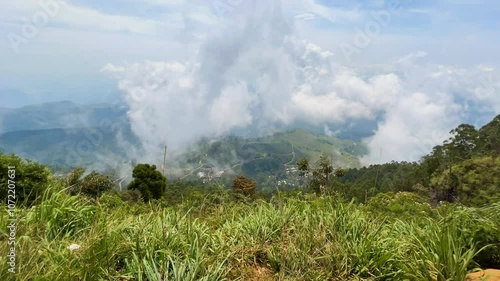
53, 115
20, 99
68, 147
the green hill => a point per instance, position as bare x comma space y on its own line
269, 157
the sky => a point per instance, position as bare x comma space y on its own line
419, 68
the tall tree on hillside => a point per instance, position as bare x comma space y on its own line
303, 166
472, 182
321, 176
459, 147
463, 142
434, 162
245, 186
324, 172
489, 137
150, 182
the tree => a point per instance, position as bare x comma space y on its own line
463, 142
30, 179
322, 174
489, 138
303, 166
432, 163
150, 182
472, 182
92, 185
245, 186
339, 173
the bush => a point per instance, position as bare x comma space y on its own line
482, 225
244, 186
401, 205
92, 185
130, 195
31, 179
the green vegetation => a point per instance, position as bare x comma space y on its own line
464, 169
148, 181
289, 236
476, 181
432, 220
321, 176
92, 185
31, 179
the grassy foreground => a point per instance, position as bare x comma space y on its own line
288, 237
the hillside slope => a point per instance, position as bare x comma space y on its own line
266, 157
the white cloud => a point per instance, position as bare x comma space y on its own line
410, 58
79, 17
246, 79
410, 129
438, 98
256, 72
486, 68
310, 9
231, 109
86, 18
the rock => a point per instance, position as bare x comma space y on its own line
487, 274
74, 247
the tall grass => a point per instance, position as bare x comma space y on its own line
297, 238
440, 252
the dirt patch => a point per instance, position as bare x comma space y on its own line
261, 273
484, 275
256, 273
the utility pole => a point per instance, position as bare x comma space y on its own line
165, 161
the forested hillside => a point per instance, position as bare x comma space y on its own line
464, 169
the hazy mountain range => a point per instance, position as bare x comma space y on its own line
53, 115
66, 134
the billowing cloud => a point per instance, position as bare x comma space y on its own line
257, 73
433, 100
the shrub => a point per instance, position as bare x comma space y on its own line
132, 195
31, 179
92, 185
401, 205
244, 186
